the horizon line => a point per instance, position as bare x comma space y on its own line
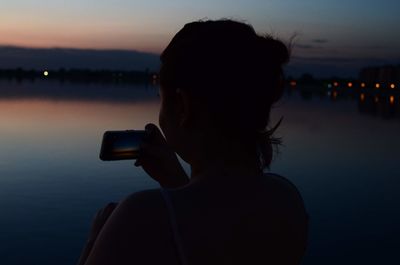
74, 48
298, 57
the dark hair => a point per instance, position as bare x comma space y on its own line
234, 71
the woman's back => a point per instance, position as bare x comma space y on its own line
262, 221
257, 221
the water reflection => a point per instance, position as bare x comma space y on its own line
52, 181
375, 102
51, 178
370, 101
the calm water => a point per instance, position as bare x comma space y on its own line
342, 154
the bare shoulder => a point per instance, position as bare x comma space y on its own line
143, 209
140, 211
282, 185
287, 194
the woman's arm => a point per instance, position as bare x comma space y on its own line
160, 161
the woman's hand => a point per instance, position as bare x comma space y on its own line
159, 160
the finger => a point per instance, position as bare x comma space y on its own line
145, 153
154, 134
150, 127
148, 150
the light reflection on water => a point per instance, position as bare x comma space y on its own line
51, 180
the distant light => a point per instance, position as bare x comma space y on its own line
335, 84
392, 86
154, 77
293, 83
350, 84
46, 73
329, 85
334, 94
376, 99
362, 84
377, 85
391, 99
329, 93
362, 97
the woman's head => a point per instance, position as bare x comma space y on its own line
230, 75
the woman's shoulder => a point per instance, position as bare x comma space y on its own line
137, 227
286, 194
141, 210
281, 184
142, 205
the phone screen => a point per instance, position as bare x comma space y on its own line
121, 145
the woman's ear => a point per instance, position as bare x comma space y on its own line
184, 107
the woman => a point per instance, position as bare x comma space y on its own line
218, 82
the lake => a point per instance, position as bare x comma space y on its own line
341, 150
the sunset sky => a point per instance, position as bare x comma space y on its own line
355, 29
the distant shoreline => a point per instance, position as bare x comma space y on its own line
80, 75
369, 78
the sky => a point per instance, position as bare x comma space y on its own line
327, 31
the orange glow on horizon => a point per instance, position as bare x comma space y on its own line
84, 38
362, 97
30, 31
154, 48
350, 84
392, 86
377, 85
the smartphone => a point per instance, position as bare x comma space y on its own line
121, 145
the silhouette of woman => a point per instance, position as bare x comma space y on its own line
218, 82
